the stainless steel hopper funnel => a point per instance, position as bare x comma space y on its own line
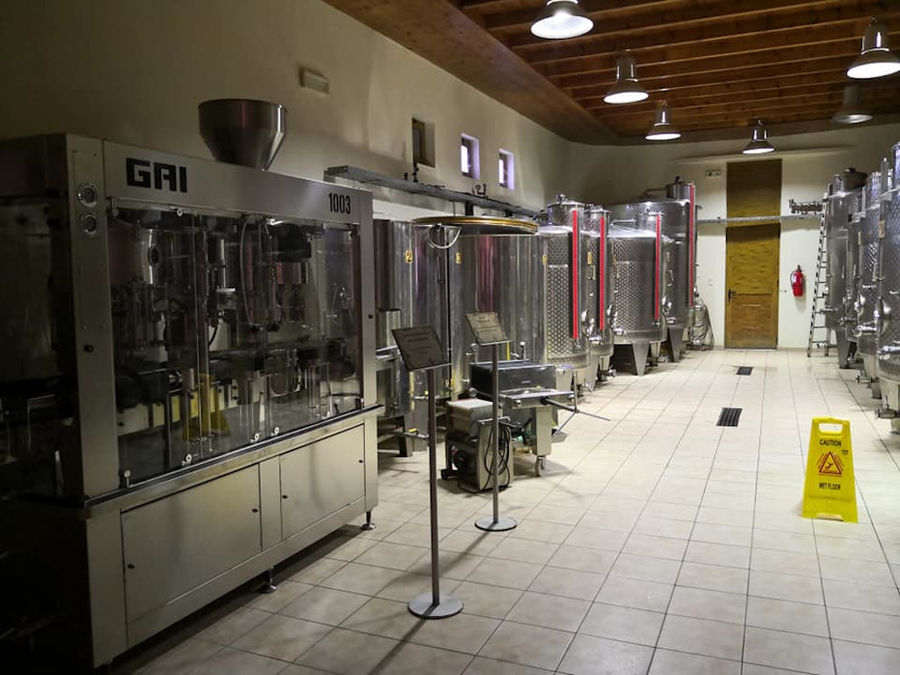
243, 131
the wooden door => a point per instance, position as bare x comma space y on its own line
751, 280
751, 255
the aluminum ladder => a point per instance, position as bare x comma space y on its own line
820, 292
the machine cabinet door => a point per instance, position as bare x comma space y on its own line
182, 541
321, 478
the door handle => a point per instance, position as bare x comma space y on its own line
731, 294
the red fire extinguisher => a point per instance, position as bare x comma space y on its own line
797, 282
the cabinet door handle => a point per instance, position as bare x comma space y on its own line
284, 496
131, 566
255, 510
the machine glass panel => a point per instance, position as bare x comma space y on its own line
229, 330
38, 399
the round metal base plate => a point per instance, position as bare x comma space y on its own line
423, 607
488, 525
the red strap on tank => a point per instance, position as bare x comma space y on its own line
575, 274
691, 237
602, 274
657, 266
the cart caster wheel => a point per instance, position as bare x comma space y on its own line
444, 474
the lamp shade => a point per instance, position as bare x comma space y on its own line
561, 19
759, 141
851, 111
627, 89
662, 129
875, 59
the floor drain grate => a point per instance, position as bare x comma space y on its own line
729, 417
745, 370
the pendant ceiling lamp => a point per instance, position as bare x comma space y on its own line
561, 19
626, 89
759, 142
851, 111
662, 129
876, 59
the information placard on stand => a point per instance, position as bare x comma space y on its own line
488, 332
486, 328
421, 350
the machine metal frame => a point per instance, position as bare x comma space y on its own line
326, 471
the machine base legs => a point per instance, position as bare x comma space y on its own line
423, 606
368, 525
269, 584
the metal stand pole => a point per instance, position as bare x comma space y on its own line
496, 524
433, 605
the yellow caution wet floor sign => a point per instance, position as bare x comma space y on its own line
830, 491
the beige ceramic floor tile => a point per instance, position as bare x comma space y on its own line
623, 623
483, 600
858, 659
667, 662
788, 650
527, 645
550, 611
583, 559
348, 652
785, 587
508, 573
713, 577
866, 627
282, 637
699, 636
590, 655
646, 568
706, 604
230, 627
181, 658
325, 605
568, 583
796, 617
636, 593
363, 579
484, 666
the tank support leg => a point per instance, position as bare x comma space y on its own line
639, 352
675, 344
843, 349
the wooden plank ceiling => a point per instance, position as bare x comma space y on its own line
720, 64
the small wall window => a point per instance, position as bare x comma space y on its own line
468, 156
507, 170
422, 142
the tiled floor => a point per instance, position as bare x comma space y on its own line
657, 543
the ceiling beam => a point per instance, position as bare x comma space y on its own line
738, 119
808, 43
676, 105
665, 88
783, 59
852, 16
439, 32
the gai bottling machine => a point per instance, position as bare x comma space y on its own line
187, 386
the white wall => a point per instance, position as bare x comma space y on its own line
808, 162
134, 71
